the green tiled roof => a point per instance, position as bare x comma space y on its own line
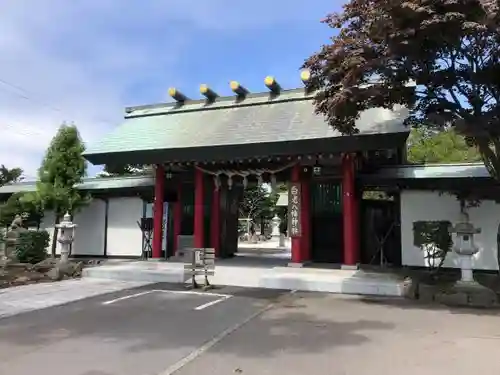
257, 119
88, 184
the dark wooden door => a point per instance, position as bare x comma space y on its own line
326, 222
380, 232
228, 221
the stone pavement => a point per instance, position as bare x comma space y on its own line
316, 333
25, 298
260, 273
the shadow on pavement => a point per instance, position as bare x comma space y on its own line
408, 304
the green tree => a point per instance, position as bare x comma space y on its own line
17, 205
10, 175
9, 209
448, 49
257, 204
446, 146
63, 167
112, 170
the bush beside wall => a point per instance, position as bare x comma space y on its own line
32, 246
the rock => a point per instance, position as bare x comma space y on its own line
45, 265
65, 269
22, 279
36, 276
20, 266
54, 274
410, 288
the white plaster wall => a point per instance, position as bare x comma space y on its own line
90, 233
424, 205
47, 224
124, 236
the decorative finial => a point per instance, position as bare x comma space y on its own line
178, 96
272, 85
305, 76
238, 89
208, 92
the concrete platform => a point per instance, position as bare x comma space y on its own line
270, 276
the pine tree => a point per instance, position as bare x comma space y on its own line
63, 167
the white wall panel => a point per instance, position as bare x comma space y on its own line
47, 224
90, 233
124, 235
424, 205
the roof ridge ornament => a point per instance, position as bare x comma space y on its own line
272, 85
208, 93
305, 77
238, 89
178, 96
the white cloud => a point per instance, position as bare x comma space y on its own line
78, 60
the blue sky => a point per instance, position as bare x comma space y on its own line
85, 60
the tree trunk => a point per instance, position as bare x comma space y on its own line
54, 236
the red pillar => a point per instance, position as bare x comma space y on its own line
215, 221
305, 221
158, 210
177, 218
349, 206
296, 241
199, 230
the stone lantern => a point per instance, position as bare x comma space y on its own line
66, 236
276, 221
464, 246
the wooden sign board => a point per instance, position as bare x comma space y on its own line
294, 207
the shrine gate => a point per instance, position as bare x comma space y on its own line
206, 152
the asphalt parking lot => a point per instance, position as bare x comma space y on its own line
140, 331
163, 330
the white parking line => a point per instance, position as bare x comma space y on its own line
208, 304
222, 297
127, 297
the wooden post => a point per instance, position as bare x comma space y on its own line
295, 238
177, 219
305, 220
349, 206
199, 230
215, 221
158, 210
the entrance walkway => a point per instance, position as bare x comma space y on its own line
253, 272
265, 249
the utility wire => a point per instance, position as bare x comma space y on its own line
25, 94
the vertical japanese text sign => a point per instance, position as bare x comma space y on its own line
294, 202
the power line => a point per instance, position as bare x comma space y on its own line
29, 96
26, 95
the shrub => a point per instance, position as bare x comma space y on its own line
434, 238
32, 246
